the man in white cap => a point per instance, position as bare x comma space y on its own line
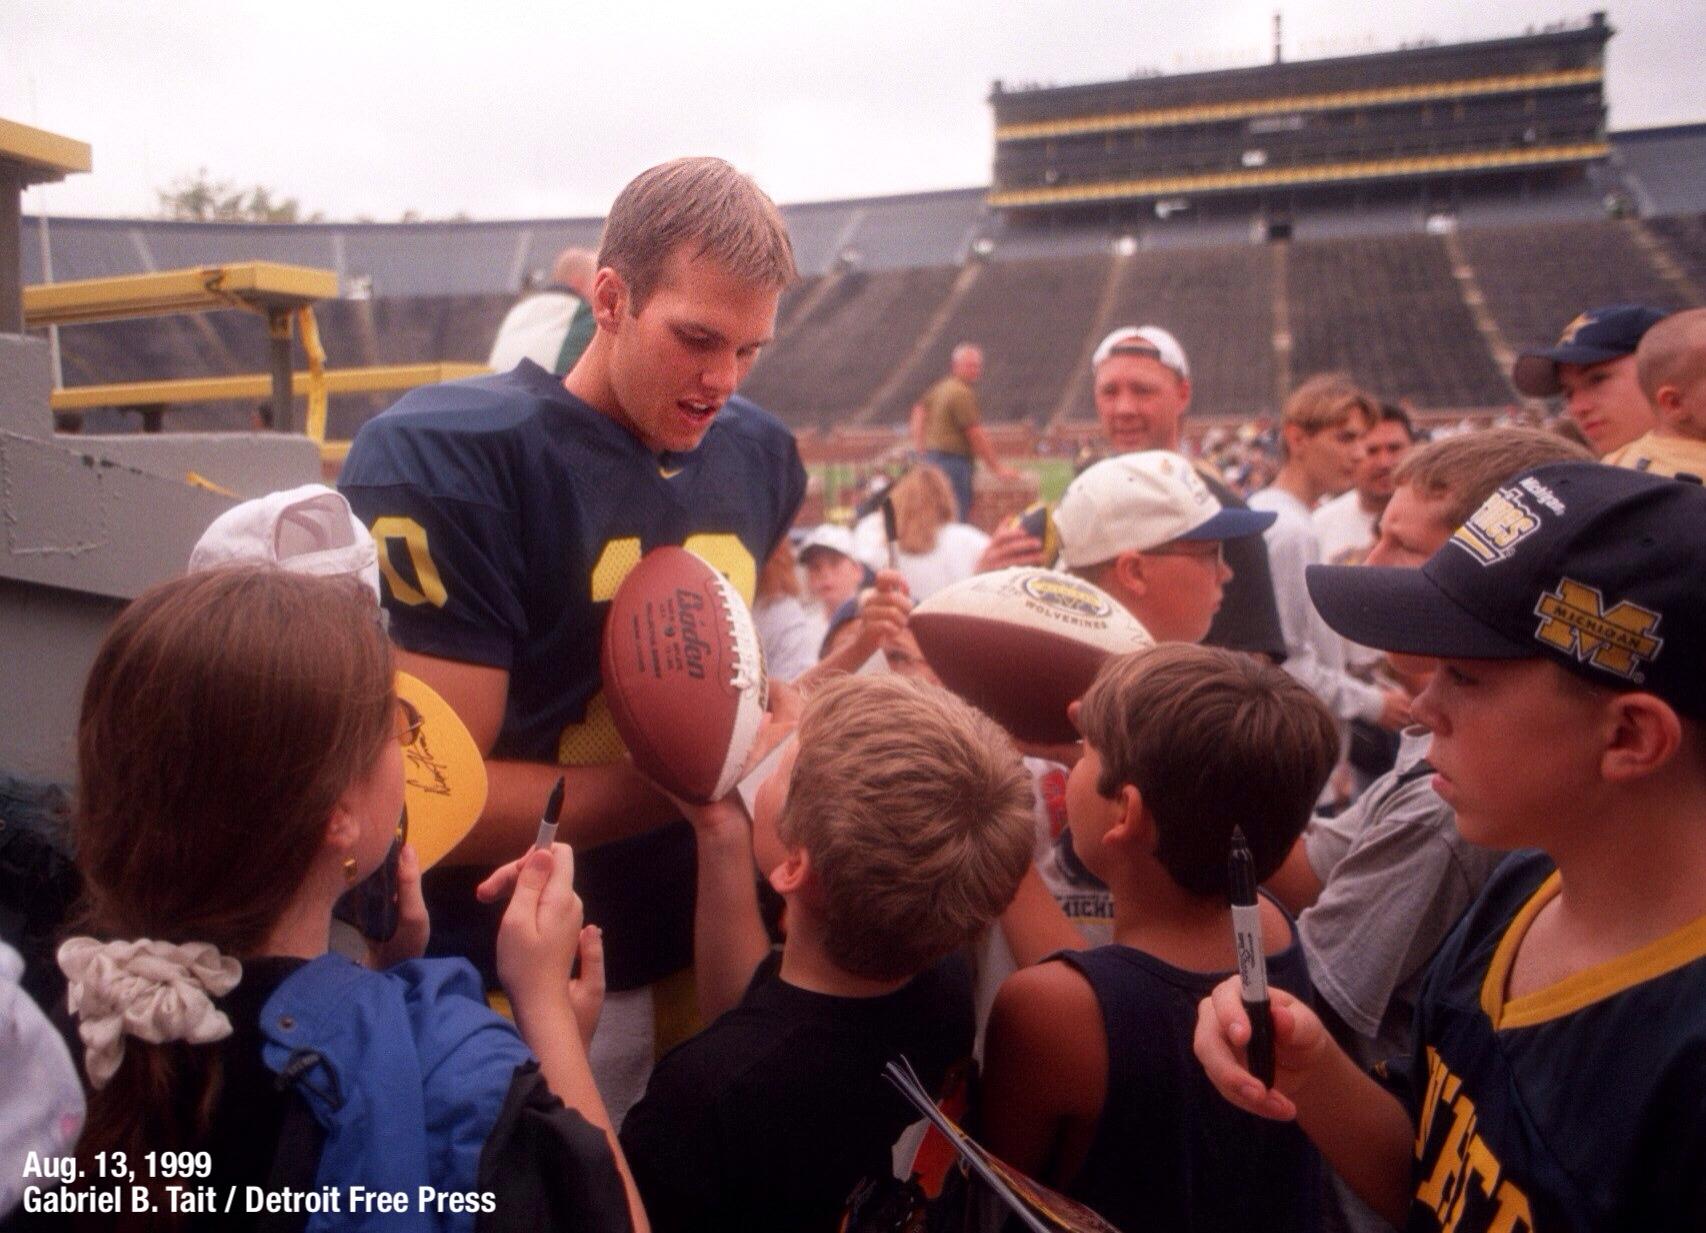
1142, 387
1145, 528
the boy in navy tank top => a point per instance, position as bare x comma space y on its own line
1090, 1083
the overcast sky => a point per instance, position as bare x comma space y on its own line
509, 109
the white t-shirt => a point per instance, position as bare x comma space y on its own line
790, 633
1315, 655
1345, 529
958, 546
1087, 902
534, 329
1346, 532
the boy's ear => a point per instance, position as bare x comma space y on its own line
1645, 735
1128, 572
1135, 823
791, 876
1666, 399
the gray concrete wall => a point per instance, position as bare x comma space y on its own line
87, 523
48, 638
248, 463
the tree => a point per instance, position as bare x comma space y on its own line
199, 198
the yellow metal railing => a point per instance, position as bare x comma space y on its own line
1328, 173
255, 385
255, 285
1434, 91
189, 390
284, 294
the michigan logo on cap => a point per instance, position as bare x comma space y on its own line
1568, 337
1493, 531
1575, 620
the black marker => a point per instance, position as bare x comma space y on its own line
890, 531
1252, 961
548, 822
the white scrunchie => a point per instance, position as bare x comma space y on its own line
154, 991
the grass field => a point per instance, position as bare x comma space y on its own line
1053, 475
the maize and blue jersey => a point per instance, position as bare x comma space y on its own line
507, 511
1581, 1106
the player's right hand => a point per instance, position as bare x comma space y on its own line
1010, 545
1301, 1044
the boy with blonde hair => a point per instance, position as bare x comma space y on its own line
1089, 1081
894, 827
1670, 363
1560, 1051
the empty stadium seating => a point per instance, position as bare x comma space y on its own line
1030, 318
1389, 311
869, 328
1685, 239
1218, 302
1537, 278
837, 349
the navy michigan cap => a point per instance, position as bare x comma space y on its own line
1598, 335
1600, 569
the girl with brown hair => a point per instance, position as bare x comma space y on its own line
240, 758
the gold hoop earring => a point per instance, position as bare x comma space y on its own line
349, 871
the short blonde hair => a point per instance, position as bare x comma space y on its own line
1212, 739
914, 810
702, 204
1467, 469
1328, 400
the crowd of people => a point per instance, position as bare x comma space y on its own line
1450, 694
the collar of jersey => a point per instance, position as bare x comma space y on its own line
1586, 987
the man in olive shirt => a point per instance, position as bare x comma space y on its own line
947, 427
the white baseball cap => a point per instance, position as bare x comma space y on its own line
308, 530
1135, 502
828, 536
1149, 340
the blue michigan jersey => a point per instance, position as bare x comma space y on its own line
1581, 1106
507, 512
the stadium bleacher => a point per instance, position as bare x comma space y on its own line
1389, 311
1219, 303
1537, 278
1030, 318
856, 329
1685, 238
891, 283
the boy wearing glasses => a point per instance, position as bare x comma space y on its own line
1146, 529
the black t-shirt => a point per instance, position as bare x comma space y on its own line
1248, 619
545, 1165
772, 1115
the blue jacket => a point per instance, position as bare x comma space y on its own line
406, 1070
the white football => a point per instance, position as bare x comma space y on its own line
1021, 644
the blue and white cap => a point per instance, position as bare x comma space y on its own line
1135, 502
